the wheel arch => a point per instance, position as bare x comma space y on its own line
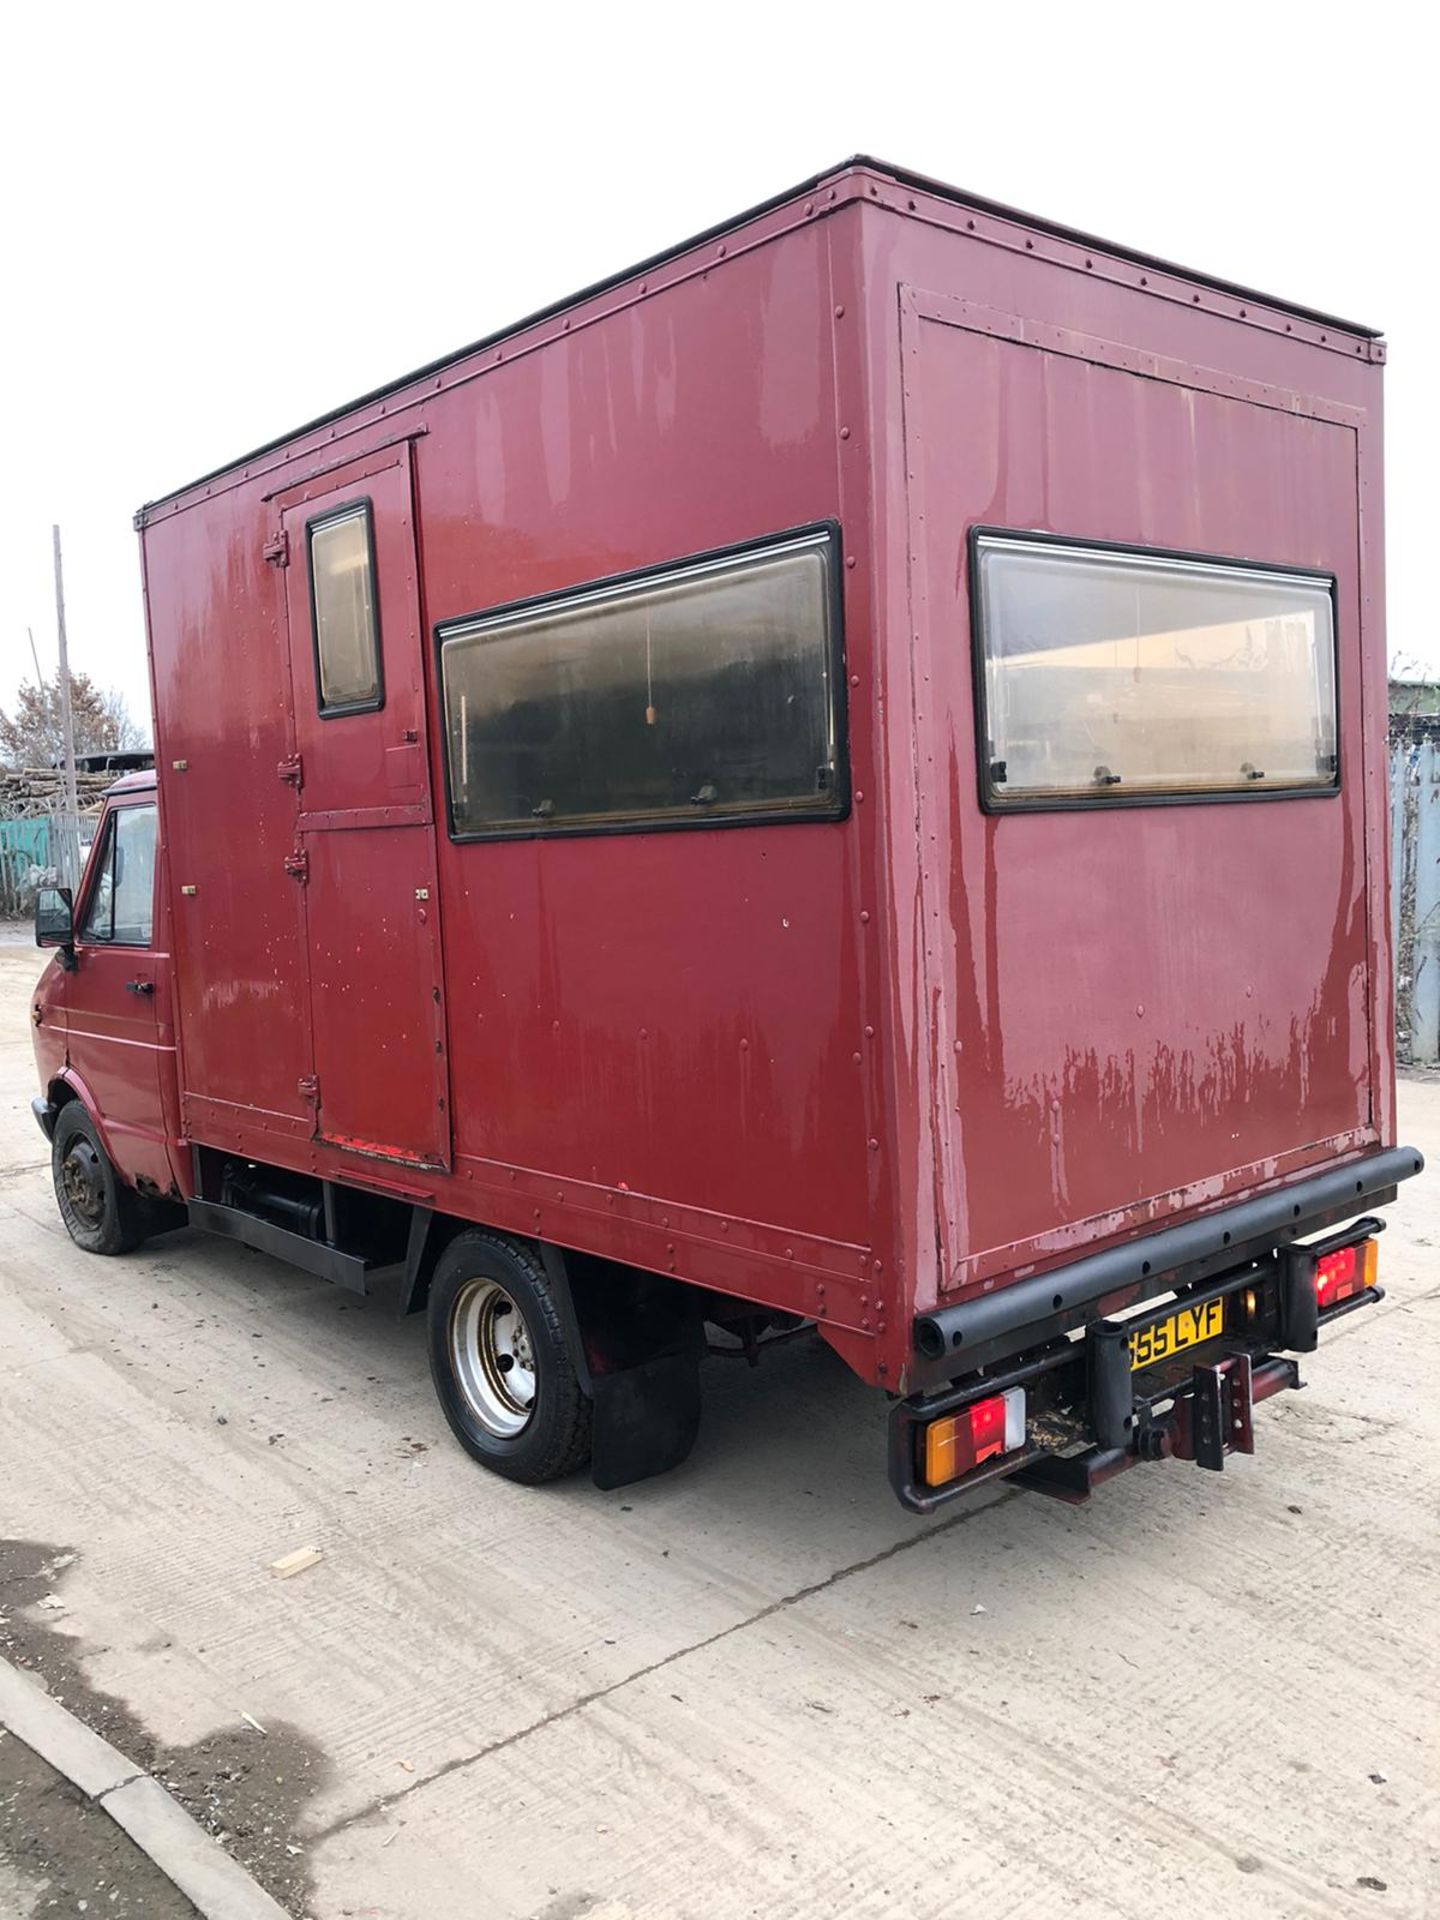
430, 1234
64, 1090
635, 1340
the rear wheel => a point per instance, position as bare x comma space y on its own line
100, 1212
500, 1362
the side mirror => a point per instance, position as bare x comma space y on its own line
55, 922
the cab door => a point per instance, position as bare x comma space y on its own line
364, 854
119, 1045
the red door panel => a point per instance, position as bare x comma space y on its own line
365, 843
114, 998
374, 958
365, 754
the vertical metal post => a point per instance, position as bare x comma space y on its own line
1425, 927
67, 718
1415, 890
67, 722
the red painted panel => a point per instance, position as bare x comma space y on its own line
367, 843
1131, 1007
220, 671
671, 1014
375, 989
675, 1022
675, 1014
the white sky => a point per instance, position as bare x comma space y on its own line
217, 221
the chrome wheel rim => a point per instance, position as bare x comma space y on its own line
492, 1358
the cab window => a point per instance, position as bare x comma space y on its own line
121, 908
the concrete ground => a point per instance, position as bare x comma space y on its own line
59, 1853
753, 1687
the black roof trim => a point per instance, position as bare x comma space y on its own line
998, 210
976, 203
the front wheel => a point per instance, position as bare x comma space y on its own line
500, 1362
100, 1212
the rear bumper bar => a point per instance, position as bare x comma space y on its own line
978, 1332
1178, 1380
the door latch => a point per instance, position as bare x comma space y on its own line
292, 771
276, 549
139, 986
308, 1088
297, 865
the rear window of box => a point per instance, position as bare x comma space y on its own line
1116, 675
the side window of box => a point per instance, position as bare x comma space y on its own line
341, 557
702, 693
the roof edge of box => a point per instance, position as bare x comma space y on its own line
997, 209
900, 176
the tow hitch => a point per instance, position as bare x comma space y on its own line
1212, 1417
1221, 1409
1216, 1416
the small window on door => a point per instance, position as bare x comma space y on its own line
121, 908
342, 605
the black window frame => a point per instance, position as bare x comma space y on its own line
109, 835
338, 710
994, 801
829, 808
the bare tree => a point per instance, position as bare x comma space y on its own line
30, 735
1412, 690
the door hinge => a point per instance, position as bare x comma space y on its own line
308, 1088
292, 771
277, 549
297, 865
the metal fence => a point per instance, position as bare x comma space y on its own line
1415, 890
24, 846
40, 843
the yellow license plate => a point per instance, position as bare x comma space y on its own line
1186, 1328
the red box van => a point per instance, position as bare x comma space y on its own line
836, 777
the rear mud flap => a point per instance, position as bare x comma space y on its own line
637, 1341
646, 1419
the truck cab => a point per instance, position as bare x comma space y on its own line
105, 1034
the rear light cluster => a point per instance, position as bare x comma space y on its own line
1347, 1271
957, 1443
992, 1429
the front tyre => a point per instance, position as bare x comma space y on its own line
100, 1212
500, 1362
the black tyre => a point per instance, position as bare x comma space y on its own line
100, 1212
500, 1361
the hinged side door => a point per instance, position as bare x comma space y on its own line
365, 844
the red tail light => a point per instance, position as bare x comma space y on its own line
1347, 1271
959, 1442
